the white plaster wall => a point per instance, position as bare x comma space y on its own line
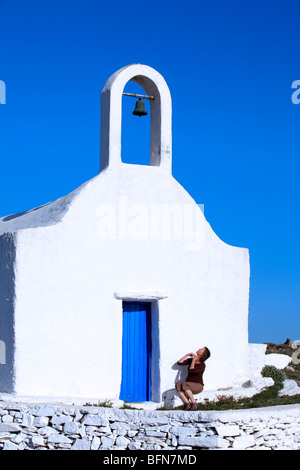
256, 358
68, 321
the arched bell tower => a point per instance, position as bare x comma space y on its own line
160, 115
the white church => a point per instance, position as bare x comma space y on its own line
103, 290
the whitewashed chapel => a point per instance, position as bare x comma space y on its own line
104, 289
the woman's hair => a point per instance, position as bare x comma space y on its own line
205, 355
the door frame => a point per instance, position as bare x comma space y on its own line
155, 344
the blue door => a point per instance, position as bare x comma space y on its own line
136, 352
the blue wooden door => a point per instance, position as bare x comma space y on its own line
136, 352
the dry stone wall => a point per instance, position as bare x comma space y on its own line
48, 426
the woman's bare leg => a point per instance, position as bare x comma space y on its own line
183, 397
181, 393
189, 395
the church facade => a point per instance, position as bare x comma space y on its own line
103, 290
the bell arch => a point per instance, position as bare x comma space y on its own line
160, 117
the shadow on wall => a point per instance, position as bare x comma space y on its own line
181, 375
7, 297
19, 214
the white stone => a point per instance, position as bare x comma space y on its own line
20, 438
40, 421
58, 439
37, 441
210, 442
118, 425
81, 444
155, 420
290, 388
10, 446
62, 419
94, 420
281, 361
45, 411
95, 443
107, 441
243, 442
27, 419
150, 432
228, 430
260, 382
293, 430
7, 419
134, 445
9, 427
122, 441
183, 431
47, 431
71, 428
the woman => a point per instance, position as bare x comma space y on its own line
194, 382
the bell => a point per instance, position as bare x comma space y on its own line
140, 108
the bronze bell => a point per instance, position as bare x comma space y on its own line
140, 108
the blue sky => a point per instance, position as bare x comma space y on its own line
236, 146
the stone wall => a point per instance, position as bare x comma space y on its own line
48, 426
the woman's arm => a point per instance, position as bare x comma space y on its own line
182, 361
192, 366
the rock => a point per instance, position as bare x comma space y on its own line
154, 433
228, 430
205, 442
45, 411
107, 441
156, 420
58, 439
40, 421
27, 420
10, 446
47, 431
122, 442
281, 361
262, 382
9, 427
71, 428
243, 442
183, 431
62, 419
7, 419
95, 443
134, 446
119, 425
81, 444
37, 441
20, 438
290, 388
94, 420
